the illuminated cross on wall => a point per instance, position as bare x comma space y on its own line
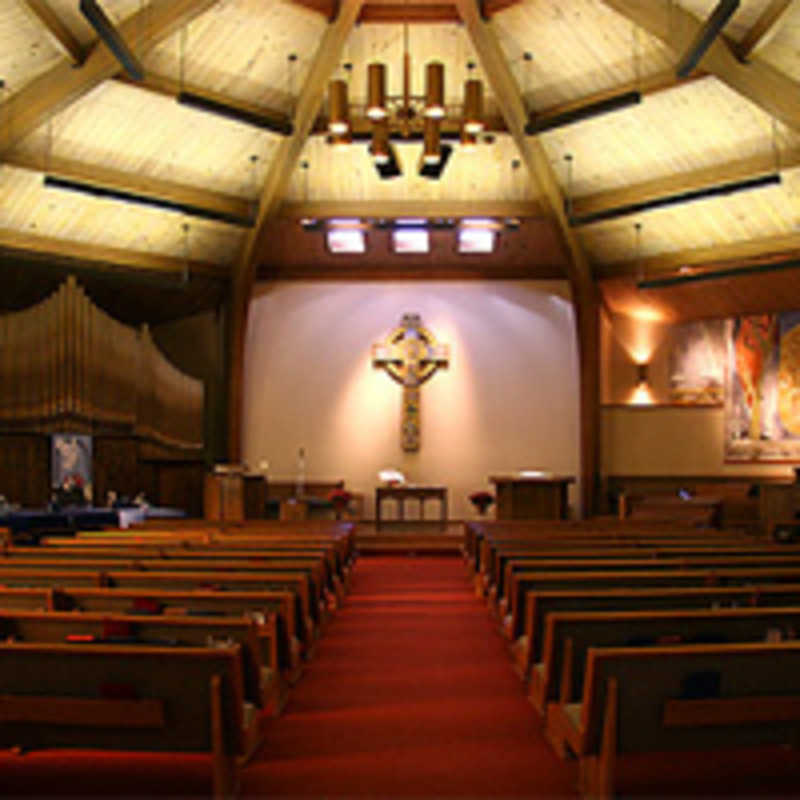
411, 355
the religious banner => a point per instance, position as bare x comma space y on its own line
411, 356
762, 398
697, 363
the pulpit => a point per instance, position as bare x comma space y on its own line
223, 495
531, 496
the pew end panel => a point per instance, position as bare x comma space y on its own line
187, 700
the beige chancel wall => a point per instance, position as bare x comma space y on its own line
508, 401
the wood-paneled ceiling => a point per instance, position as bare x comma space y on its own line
67, 110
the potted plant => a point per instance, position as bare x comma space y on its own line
482, 501
340, 500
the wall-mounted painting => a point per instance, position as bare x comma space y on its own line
71, 465
697, 363
762, 398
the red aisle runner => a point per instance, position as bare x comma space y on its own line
411, 694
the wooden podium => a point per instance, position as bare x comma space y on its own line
523, 497
223, 494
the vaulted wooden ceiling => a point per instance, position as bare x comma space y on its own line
68, 111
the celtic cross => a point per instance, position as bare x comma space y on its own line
411, 355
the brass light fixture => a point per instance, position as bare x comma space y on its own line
473, 106
376, 92
338, 115
432, 152
434, 90
379, 148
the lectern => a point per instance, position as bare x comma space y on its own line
531, 497
223, 495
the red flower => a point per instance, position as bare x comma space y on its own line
339, 498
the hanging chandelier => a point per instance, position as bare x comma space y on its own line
407, 116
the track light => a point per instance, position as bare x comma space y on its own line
717, 274
434, 90
282, 126
112, 39
588, 111
94, 190
675, 199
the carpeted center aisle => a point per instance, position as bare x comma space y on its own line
411, 694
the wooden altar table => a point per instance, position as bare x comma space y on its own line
411, 492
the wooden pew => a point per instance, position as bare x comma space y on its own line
297, 584
709, 560
675, 698
570, 634
319, 589
260, 607
263, 683
528, 648
514, 624
500, 556
25, 598
177, 699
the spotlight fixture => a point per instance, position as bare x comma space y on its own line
112, 39
434, 171
390, 168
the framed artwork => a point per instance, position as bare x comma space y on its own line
697, 363
71, 463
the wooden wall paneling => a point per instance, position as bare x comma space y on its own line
25, 469
116, 467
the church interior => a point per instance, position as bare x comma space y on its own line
399, 399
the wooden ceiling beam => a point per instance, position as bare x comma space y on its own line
764, 29
63, 84
105, 258
394, 209
770, 248
758, 81
284, 160
209, 204
61, 35
629, 197
584, 290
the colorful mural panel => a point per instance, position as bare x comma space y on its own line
762, 398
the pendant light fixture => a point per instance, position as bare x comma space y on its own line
376, 91
338, 114
434, 90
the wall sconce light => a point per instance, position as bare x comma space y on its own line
642, 374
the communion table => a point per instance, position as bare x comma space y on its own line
405, 492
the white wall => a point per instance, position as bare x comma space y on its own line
509, 399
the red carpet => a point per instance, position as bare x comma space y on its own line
411, 694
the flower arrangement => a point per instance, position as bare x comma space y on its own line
340, 499
481, 500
